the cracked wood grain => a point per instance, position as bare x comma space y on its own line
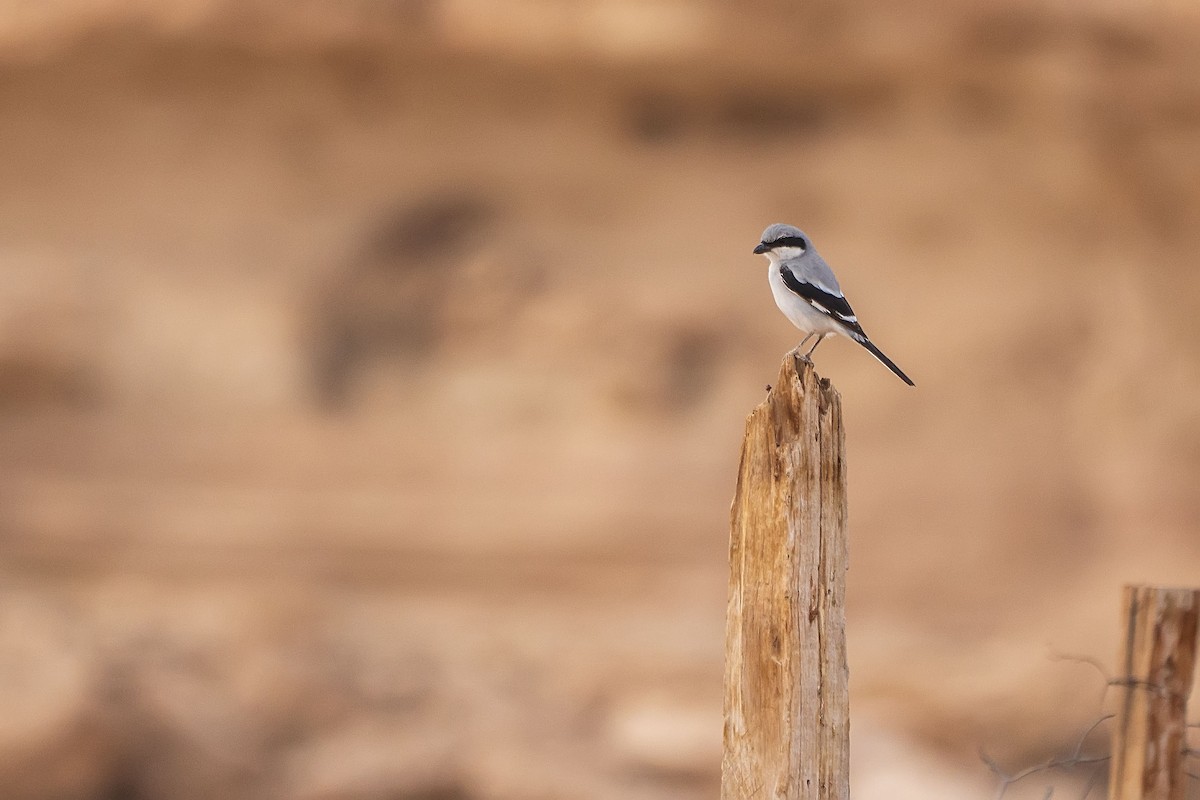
787, 721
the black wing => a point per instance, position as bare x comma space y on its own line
834, 305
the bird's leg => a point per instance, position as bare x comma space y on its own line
811, 350
802, 341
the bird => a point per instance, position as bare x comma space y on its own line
808, 294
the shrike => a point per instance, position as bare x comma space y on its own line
808, 294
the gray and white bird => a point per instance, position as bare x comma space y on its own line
808, 294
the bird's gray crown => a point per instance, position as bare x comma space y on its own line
782, 235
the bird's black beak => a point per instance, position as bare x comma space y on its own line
761, 248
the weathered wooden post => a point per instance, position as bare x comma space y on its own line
787, 721
1156, 662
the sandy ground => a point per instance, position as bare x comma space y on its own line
372, 378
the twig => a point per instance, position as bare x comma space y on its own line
1091, 662
1093, 781
1075, 759
1091, 728
1095, 662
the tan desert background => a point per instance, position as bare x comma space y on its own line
373, 373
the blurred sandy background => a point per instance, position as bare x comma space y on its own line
372, 377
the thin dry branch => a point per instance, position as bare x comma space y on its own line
1075, 759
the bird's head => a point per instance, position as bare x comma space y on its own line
781, 242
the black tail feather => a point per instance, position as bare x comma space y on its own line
887, 362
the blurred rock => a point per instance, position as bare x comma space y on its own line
386, 308
375, 758
885, 765
49, 320
671, 372
665, 732
53, 741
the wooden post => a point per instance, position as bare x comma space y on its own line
1158, 656
787, 721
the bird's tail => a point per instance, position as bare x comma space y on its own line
887, 362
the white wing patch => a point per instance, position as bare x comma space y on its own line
839, 315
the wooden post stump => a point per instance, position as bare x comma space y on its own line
1157, 659
787, 721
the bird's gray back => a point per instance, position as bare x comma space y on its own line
811, 268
